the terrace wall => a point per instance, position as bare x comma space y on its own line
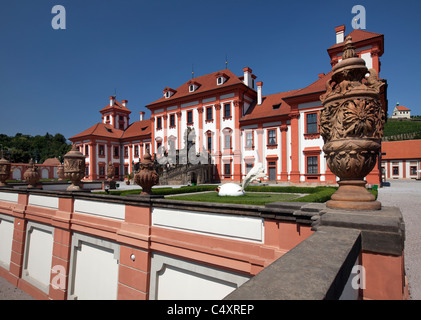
62, 245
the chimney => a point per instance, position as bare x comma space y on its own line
340, 33
247, 77
142, 115
124, 102
259, 92
112, 99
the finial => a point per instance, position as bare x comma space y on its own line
349, 49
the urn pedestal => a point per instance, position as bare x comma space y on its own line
351, 124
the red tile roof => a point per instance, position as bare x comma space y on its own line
52, 162
266, 109
358, 35
207, 82
402, 108
138, 129
116, 105
100, 130
406, 149
317, 86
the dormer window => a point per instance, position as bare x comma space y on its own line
168, 92
193, 85
221, 78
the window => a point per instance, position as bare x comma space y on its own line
172, 120
227, 168
191, 88
312, 165
272, 137
101, 151
249, 139
396, 171
115, 151
190, 117
126, 170
101, 170
208, 113
209, 143
108, 118
227, 110
158, 146
249, 166
86, 150
220, 80
120, 118
167, 94
159, 123
116, 171
413, 170
136, 151
227, 140
126, 152
86, 171
147, 147
311, 119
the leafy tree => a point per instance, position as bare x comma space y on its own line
21, 147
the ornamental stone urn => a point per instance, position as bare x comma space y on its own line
351, 124
147, 176
31, 175
110, 171
4, 171
74, 168
60, 172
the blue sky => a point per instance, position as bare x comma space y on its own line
56, 81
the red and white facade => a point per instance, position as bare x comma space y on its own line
240, 126
233, 120
113, 140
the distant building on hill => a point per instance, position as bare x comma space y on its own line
401, 112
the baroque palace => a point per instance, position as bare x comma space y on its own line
229, 118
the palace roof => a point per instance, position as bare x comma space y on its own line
406, 149
206, 83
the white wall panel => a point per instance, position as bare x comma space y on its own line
176, 279
102, 209
229, 226
9, 197
94, 268
43, 201
38, 255
6, 239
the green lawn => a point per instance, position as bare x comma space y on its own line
257, 198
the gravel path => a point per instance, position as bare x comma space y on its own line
407, 196
10, 292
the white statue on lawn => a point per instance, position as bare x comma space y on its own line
233, 189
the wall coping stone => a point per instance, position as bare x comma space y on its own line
318, 268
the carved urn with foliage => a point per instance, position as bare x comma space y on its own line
4, 171
74, 168
147, 176
351, 124
31, 175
